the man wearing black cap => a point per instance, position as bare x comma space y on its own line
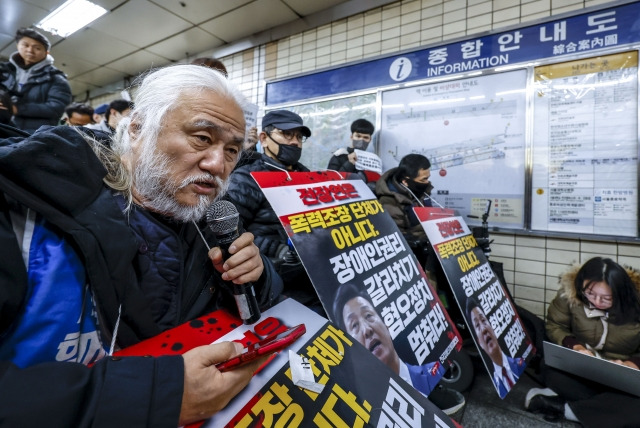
282, 137
40, 92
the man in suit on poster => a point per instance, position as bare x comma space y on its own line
354, 312
506, 370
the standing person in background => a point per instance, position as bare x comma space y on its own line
114, 113
40, 92
78, 114
98, 112
597, 309
344, 159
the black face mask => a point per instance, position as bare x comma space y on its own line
418, 189
287, 154
360, 144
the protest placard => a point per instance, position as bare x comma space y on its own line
366, 276
350, 397
484, 302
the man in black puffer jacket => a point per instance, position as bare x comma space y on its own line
40, 92
283, 133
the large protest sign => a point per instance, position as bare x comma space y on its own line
485, 304
368, 280
350, 396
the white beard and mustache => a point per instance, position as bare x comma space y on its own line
155, 187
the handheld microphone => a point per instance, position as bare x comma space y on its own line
222, 218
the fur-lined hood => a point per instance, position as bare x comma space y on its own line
567, 279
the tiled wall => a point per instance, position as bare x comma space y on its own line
531, 264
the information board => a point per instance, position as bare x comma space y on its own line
473, 132
585, 147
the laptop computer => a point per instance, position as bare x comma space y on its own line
597, 369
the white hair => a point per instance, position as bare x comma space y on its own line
158, 94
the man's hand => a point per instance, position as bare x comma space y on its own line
244, 264
207, 390
252, 138
352, 157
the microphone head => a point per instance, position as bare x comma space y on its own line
222, 217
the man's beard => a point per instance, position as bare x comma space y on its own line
154, 186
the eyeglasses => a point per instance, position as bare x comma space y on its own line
290, 135
606, 299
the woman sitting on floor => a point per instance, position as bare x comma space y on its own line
597, 309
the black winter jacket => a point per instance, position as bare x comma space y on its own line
124, 266
255, 211
42, 99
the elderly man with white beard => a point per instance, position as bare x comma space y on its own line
100, 249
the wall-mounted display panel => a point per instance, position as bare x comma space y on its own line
585, 146
473, 132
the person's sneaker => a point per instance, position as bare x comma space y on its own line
545, 402
447, 399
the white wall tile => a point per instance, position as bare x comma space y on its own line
502, 238
530, 253
507, 263
455, 16
529, 279
507, 23
372, 38
562, 256
556, 269
408, 41
629, 250
410, 6
390, 33
530, 266
453, 5
563, 244
502, 250
529, 293
410, 17
535, 16
530, 241
371, 49
634, 262
479, 23
479, 9
454, 29
605, 249
503, 4
390, 11
535, 7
